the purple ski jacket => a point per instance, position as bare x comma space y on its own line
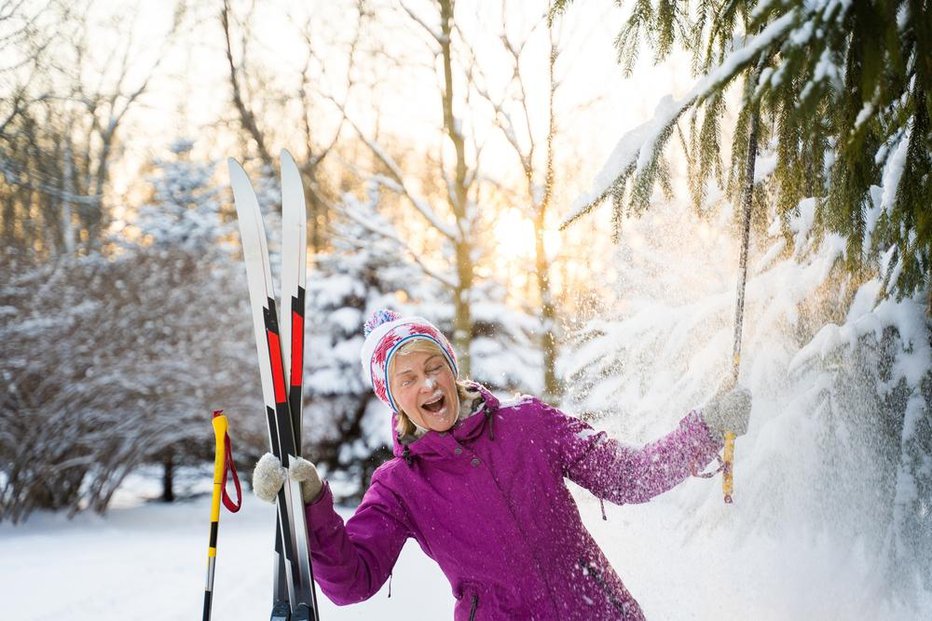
488, 502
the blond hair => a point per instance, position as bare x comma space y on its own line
405, 426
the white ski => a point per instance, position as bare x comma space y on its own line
291, 537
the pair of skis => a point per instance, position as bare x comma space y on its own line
280, 347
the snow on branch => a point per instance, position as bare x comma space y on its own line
13, 176
402, 187
635, 150
436, 35
365, 220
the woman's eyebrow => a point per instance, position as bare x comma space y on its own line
428, 361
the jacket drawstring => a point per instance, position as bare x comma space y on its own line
602, 504
490, 416
407, 455
390, 585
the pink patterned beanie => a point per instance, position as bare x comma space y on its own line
385, 332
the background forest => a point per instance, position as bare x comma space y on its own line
567, 190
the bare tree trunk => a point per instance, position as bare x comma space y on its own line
247, 118
68, 190
168, 479
95, 211
540, 199
462, 321
552, 387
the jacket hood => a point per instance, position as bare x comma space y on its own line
464, 430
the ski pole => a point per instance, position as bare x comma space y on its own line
747, 200
223, 460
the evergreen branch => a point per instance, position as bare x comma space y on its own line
636, 149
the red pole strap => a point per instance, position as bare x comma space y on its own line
229, 467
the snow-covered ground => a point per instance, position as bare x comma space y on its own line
149, 561
146, 561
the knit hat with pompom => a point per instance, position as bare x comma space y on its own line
386, 331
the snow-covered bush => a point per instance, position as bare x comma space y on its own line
113, 360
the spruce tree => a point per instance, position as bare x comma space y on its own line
844, 94
183, 287
841, 94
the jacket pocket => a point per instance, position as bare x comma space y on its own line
468, 603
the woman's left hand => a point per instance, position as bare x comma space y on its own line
729, 411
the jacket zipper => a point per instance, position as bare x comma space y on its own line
475, 605
592, 570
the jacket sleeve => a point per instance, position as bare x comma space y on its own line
625, 474
352, 561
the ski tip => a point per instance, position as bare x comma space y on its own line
235, 167
285, 156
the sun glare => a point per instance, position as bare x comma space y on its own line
514, 235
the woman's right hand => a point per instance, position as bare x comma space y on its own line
729, 410
269, 476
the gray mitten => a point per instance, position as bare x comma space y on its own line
305, 473
269, 476
729, 411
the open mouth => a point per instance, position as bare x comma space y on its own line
434, 406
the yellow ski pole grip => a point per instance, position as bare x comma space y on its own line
728, 455
728, 482
220, 430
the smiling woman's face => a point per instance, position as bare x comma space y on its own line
424, 388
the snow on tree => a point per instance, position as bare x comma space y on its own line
77, 399
840, 442
837, 93
112, 361
186, 287
184, 210
841, 92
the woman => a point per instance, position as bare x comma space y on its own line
480, 485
